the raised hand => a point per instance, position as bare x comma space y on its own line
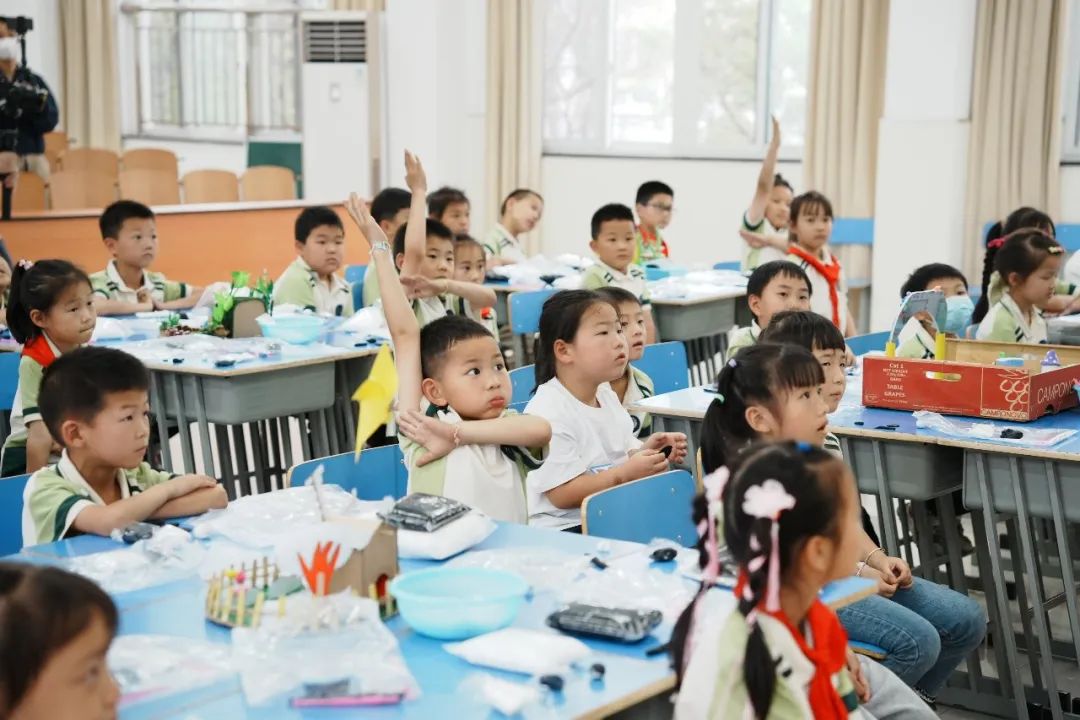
415, 178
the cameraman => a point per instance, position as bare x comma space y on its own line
27, 108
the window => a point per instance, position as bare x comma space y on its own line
1070, 92
684, 78
214, 74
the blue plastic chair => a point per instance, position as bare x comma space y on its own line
11, 507
9, 385
728, 266
525, 310
354, 275
862, 344
852, 231
522, 382
665, 364
518, 406
620, 512
380, 472
1069, 236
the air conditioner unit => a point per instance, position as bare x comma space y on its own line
341, 122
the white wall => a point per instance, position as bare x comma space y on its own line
43, 43
1070, 194
710, 197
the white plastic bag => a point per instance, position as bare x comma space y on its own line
449, 540
973, 430
149, 666
532, 652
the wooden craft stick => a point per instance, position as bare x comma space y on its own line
256, 613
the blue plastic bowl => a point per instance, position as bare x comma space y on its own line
293, 329
458, 603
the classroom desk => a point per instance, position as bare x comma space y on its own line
632, 677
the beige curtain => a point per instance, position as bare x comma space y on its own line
846, 100
1014, 148
90, 105
512, 150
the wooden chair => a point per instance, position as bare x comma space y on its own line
380, 472
150, 159
210, 186
80, 190
150, 187
56, 142
29, 193
619, 512
268, 182
104, 162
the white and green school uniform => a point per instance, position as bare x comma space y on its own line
633, 280
996, 287
430, 309
502, 244
109, 285
639, 387
56, 494
743, 337
300, 285
488, 478
37, 355
485, 316
1005, 323
753, 258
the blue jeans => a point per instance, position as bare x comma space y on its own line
926, 631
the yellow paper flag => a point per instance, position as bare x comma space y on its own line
375, 396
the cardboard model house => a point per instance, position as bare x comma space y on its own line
372, 564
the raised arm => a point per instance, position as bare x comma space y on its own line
404, 329
765, 178
416, 230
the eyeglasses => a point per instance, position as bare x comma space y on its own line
662, 208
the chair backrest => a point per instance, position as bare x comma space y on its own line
150, 187
268, 182
9, 379
29, 193
354, 275
862, 344
522, 382
379, 473
105, 162
80, 190
11, 507
852, 231
211, 186
518, 407
659, 506
56, 142
150, 159
727, 266
525, 310
665, 364
656, 273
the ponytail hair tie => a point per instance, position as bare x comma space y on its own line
995, 243
732, 362
766, 502
25, 264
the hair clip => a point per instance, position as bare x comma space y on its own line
732, 362
25, 264
1055, 249
803, 447
995, 243
766, 501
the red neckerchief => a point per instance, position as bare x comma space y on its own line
647, 239
829, 654
831, 273
39, 351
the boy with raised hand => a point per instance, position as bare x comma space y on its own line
95, 403
127, 285
614, 243
390, 208
458, 438
424, 252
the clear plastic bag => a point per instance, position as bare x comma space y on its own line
990, 432
632, 582
545, 570
338, 639
149, 666
161, 559
531, 652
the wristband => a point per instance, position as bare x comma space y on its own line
872, 553
381, 246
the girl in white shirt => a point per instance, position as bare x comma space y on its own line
581, 349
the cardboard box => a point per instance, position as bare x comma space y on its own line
967, 382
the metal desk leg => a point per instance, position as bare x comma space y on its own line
332, 436
258, 458
955, 575
158, 402
240, 453
924, 540
1068, 575
285, 431
204, 426
277, 465
182, 419
221, 433
885, 498
307, 435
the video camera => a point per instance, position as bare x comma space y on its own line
18, 97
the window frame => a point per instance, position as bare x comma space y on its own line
1070, 94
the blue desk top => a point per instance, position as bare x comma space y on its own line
176, 609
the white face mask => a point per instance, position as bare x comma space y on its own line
9, 48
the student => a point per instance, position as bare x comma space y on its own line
51, 312
5, 289
773, 287
773, 393
450, 207
390, 208
424, 253
634, 384
470, 267
55, 632
613, 242
310, 280
127, 285
953, 284
764, 226
1028, 262
581, 348
519, 213
781, 653
467, 445
811, 226
96, 405
654, 205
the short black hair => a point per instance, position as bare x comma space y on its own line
780, 181
517, 195
438, 337
112, 218
651, 189
77, 384
617, 296
38, 287
389, 202
764, 274
434, 229
611, 211
441, 200
921, 277
808, 201
805, 329
466, 239
315, 217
